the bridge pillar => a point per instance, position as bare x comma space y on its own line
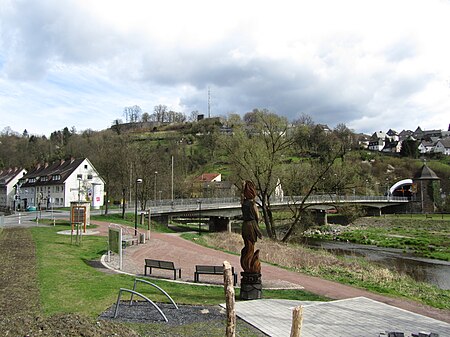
162, 219
321, 217
219, 224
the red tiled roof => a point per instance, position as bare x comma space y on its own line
207, 177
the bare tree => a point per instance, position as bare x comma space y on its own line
132, 113
256, 154
160, 112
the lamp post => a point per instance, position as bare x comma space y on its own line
79, 177
154, 194
138, 181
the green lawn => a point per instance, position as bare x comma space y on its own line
68, 284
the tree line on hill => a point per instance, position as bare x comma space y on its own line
302, 158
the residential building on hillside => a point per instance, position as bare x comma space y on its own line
427, 146
443, 146
429, 139
393, 135
210, 185
363, 140
60, 183
405, 134
377, 145
8, 186
392, 147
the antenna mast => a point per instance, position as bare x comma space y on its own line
209, 102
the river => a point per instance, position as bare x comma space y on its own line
432, 271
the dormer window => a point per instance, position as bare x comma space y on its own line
32, 180
56, 177
44, 178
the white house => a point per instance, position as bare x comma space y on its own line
377, 145
8, 179
443, 146
426, 146
60, 183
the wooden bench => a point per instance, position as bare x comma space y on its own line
212, 270
149, 263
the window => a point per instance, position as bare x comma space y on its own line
79, 176
44, 178
56, 177
85, 166
32, 180
89, 176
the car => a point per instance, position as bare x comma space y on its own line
31, 209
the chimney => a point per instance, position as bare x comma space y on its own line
61, 162
72, 159
46, 165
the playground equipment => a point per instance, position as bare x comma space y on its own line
134, 292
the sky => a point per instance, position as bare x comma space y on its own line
372, 65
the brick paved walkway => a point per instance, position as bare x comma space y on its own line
186, 255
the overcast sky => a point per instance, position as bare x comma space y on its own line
372, 65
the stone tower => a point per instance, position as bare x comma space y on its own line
426, 182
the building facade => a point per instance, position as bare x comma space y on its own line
8, 187
60, 183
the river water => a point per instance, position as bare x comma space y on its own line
432, 271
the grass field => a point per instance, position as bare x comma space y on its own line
70, 293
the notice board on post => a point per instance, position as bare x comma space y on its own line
78, 215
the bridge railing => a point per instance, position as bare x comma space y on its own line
343, 198
190, 205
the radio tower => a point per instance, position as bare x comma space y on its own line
209, 102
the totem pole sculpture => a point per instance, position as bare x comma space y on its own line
251, 276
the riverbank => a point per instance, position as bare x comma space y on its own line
423, 237
355, 272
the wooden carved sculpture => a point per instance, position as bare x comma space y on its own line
250, 230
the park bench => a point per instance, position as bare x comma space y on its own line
149, 263
212, 270
128, 240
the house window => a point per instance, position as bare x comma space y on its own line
79, 176
85, 167
89, 176
56, 177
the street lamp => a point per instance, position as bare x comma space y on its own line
79, 188
154, 195
138, 181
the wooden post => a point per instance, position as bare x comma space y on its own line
297, 321
229, 296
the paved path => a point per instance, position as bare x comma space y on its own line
357, 317
186, 255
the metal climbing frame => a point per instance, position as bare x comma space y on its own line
140, 295
153, 285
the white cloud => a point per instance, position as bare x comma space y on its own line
367, 64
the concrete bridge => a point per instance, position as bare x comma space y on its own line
220, 211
